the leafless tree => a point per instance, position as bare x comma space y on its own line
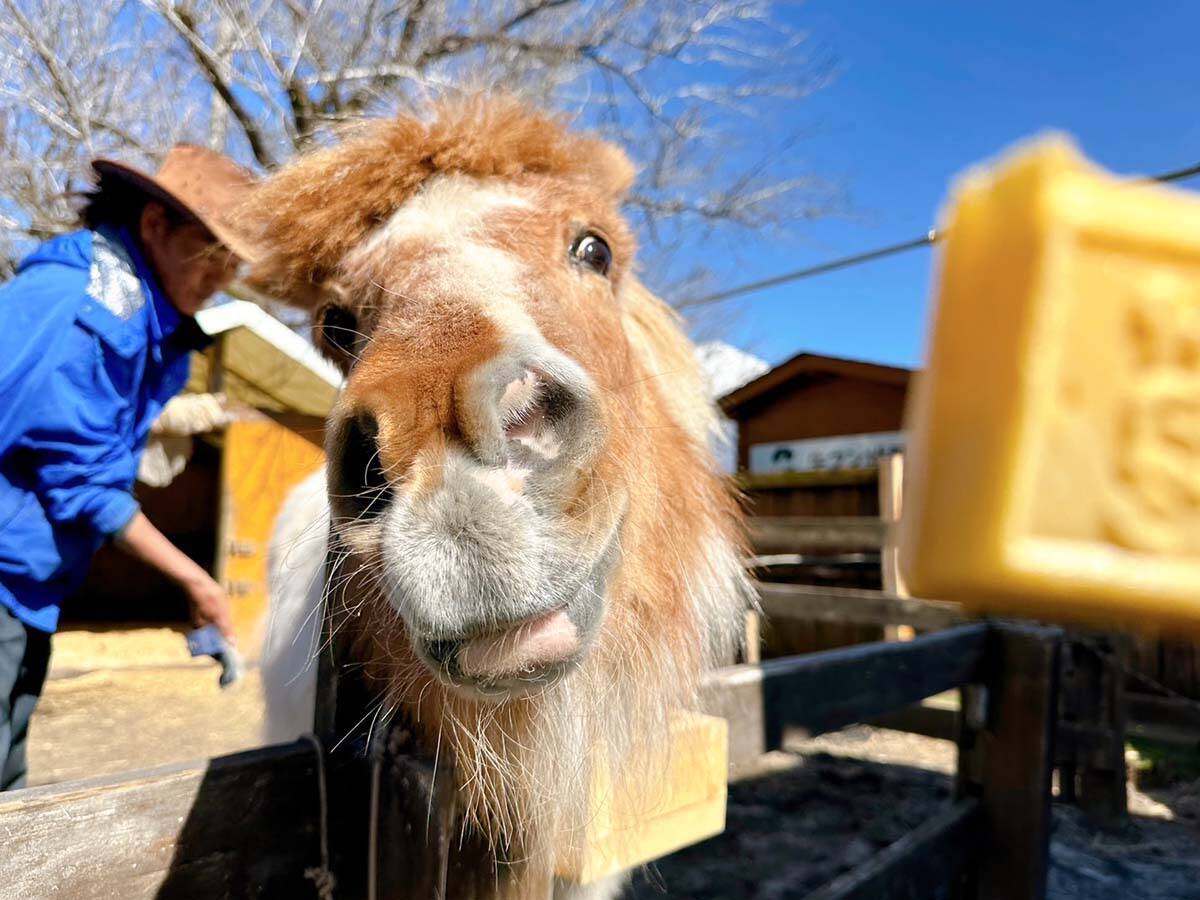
694, 89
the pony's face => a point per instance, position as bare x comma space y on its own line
476, 453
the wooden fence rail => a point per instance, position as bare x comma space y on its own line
244, 825
783, 602
1005, 760
787, 533
250, 825
820, 692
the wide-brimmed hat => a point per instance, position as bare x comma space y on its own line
199, 182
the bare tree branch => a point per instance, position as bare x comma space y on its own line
695, 89
411, 23
181, 19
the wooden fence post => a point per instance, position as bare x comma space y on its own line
1091, 728
339, 693
412, 821
1007, 764
891, 507
391, 824
1102, 777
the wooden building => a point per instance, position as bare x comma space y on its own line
811, 431
810, 434
221, 507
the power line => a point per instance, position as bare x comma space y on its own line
1177, 175
932, 236
821, 268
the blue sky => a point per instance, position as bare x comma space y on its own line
925, 89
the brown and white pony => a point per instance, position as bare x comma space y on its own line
537, 556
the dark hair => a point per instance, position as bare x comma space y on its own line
114, 201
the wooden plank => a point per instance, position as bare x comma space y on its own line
669, 804
891, 503
822, 478
935, 717
236, 826
259, 374
415, 831
1007, 764
1102, 779
822, 604
931, 857
825, 691
339, 716
1175, 712
789, 533
752, 637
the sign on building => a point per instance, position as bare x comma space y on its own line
849, 451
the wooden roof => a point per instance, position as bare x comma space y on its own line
264, 363
804, 366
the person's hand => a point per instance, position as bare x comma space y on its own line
210, 603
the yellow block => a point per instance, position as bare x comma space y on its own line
682, 804
1054, 452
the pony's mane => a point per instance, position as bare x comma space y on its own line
309, 215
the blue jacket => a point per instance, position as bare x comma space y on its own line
90, 351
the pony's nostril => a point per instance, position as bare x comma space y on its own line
533, 411
559, 402
360, 483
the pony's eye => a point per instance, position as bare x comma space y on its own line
593, 252
337, 332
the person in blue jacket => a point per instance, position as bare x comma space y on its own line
96, 331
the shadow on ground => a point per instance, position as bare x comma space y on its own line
812, 816
791, 830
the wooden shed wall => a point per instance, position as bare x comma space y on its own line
852, 493
819, 405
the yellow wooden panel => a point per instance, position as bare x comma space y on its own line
1054, 452
261, 462
680, 804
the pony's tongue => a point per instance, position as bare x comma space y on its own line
531, 645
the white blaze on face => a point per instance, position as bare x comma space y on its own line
448, 209
450, 216
452, 221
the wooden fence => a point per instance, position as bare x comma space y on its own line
1095, 711
834, 528
252, 824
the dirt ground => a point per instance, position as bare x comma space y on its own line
827, 804
119, 701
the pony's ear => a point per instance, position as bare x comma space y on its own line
613, 169
309, 214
